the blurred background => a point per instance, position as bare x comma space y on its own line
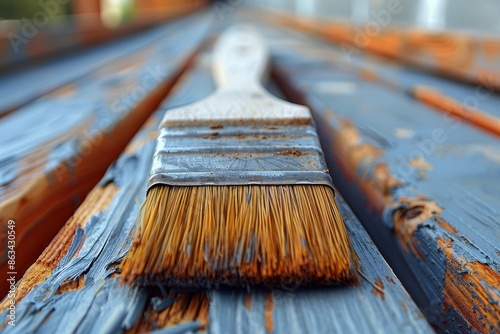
31, 29
59, 24
481, 15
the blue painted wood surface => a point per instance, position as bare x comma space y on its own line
425, 185
379, 304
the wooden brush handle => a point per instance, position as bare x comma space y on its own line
240, 64
240, 59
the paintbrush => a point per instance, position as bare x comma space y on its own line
239, 192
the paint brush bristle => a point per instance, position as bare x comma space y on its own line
240, 235
239, 191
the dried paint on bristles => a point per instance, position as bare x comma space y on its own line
241, 235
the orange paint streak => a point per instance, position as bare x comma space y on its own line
268, 311
448, 50
447, 227
352, 153
248, 301
471, 289
379, 291
445, 104
491, 48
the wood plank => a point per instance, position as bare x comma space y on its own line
471, 57
28, 83
54, 150
40, 36
377, 305
476, 104
425, 186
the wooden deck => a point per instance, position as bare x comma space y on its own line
414, 157
89, 245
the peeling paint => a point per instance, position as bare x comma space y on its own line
408, 214
378, 288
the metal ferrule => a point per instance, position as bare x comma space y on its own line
239, 155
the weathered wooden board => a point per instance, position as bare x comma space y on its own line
19, 87
472, 57
78, 286
41, 36
476, 104
55, 149
425, 186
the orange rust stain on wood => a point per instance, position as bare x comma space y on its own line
491, 48
368, 75
352, 153
388, 43
379, 289
412, 212
404, 307
420, 164
447, 227
248, 301
471, 288
383, 179
68, 286
445, 245
188, 307
476, 302
451, 52
438, 100
337, 32
268, 311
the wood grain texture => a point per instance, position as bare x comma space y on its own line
422, 183
379, 304
59, 146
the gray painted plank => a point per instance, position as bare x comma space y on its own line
360, 308
424, 184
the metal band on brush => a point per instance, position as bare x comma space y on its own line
232, 155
